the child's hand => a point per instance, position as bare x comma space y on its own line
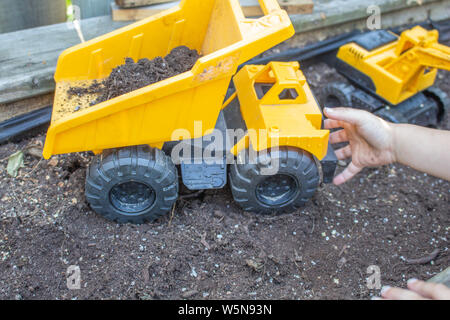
371, 140
417, 290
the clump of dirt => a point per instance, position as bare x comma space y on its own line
94, 88
135, 75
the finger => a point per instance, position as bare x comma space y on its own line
344, 153
435, 291
327, 112
338, 137
332, 124
347, 174
353, 116
400, 294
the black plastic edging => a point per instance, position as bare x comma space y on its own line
21, 124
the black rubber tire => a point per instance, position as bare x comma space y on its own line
337, 95
442, 100
297, 164
147, 167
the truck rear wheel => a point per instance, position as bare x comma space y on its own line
132, 185
288, 189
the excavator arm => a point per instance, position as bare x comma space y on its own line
415, 60
418, 52
436, 56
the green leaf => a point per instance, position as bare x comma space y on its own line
15, 161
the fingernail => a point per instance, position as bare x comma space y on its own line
411, 281
385, 289
376, 298
328, 110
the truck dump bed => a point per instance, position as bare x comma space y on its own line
217, 29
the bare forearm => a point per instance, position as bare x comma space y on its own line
424, 149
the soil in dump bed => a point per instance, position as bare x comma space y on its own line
135, 75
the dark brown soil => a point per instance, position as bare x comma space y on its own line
210, 248
135, 75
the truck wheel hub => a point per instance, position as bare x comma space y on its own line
277, 190
132, 197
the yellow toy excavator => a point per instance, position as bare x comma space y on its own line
396, 74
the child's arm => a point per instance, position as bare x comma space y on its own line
375, 142
424, 149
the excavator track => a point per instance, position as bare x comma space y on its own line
425, 109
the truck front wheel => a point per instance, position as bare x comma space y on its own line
285, 189
132, 185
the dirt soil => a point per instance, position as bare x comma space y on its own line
209, 248
135, 75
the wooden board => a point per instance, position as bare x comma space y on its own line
28, 58
133, 14
21, 107
251, 8
93, 8
17, 15
138, 3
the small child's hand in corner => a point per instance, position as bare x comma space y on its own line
371, 140
417, 290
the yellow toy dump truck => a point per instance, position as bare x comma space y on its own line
267, 134
396, 75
